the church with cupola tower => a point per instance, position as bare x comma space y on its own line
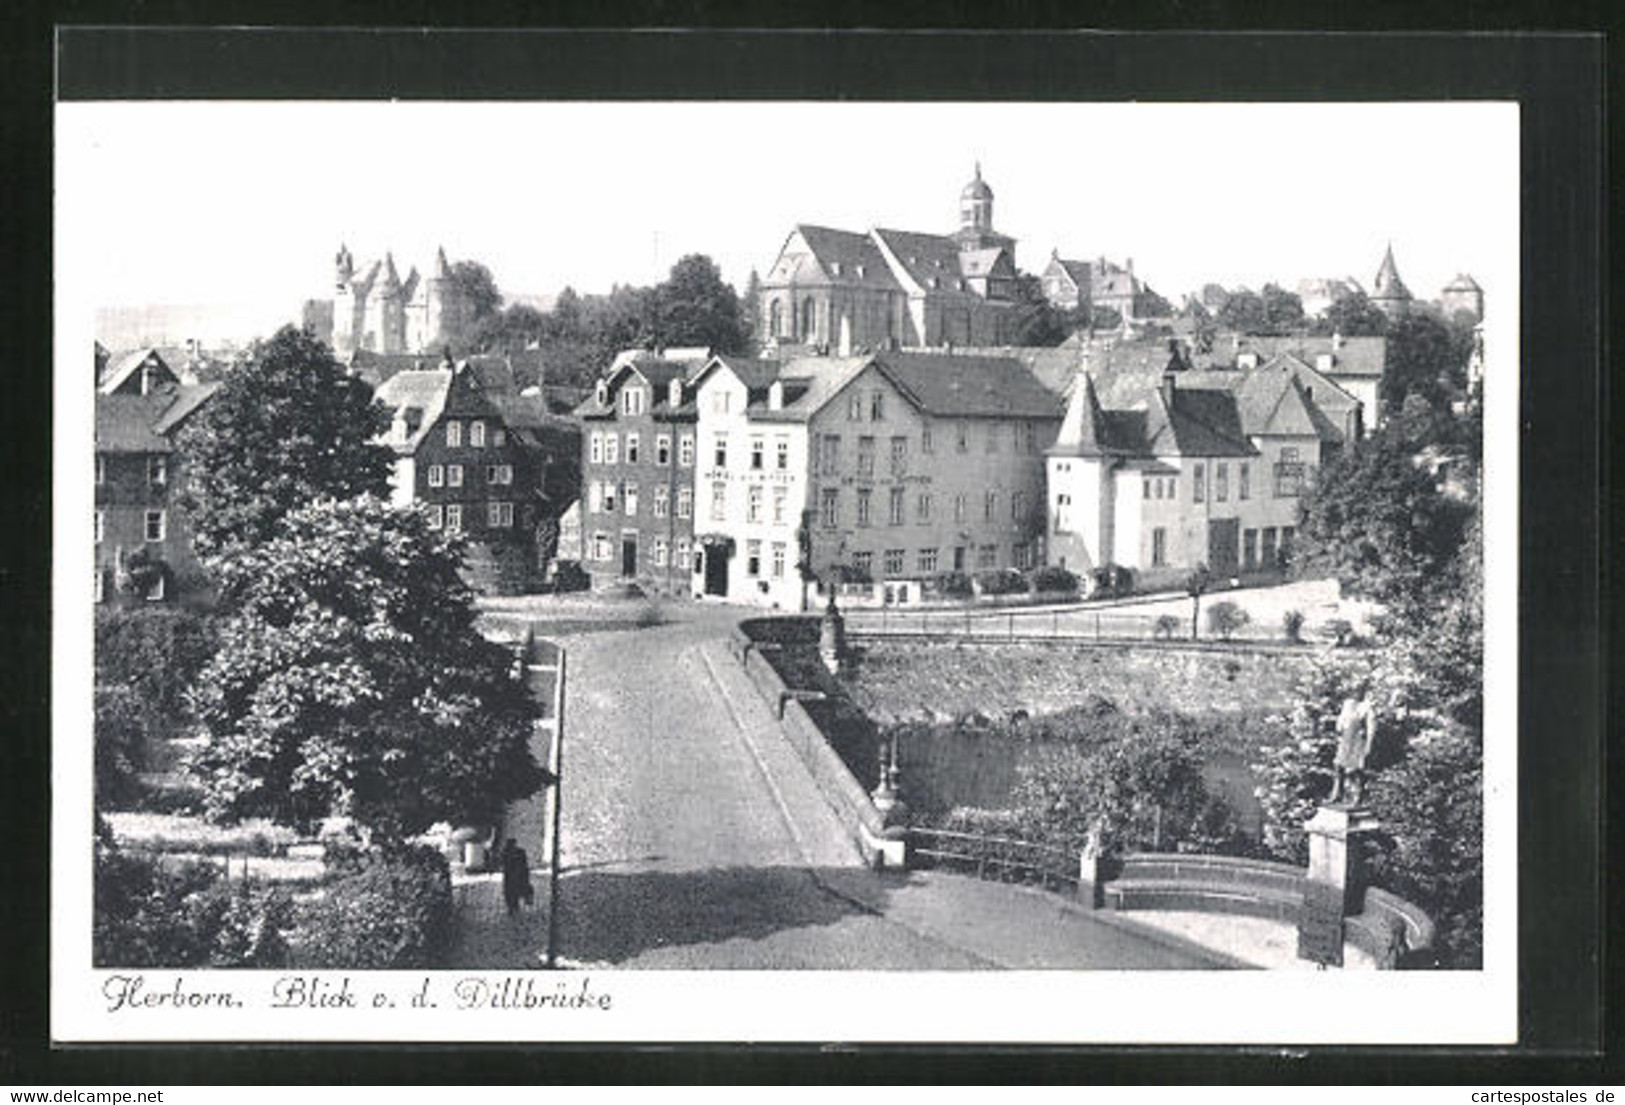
841, 290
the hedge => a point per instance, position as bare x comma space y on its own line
391, 912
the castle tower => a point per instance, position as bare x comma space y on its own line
1462, 295
346, 309
1389, 293
385, 313
447, 313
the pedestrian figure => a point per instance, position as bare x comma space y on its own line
516, 885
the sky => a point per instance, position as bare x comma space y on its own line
240, 207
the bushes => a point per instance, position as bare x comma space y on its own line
121, 739
1292, 625
1165, 627
1224, 618
157, 653
1110, 580
1053, 579
154, 913
955, 585
1000, 581
391, 912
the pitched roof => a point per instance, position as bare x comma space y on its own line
143, 423
416, 399
834, 257
188, 398
1463, 283
1388, 285
1076, 271
1363, 356
810, 383
377, 368
932, 261
120, 367
952, 385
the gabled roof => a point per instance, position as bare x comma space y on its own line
1463, 283
416, 398
810, 383
833, 257
654, 369
1198, 423
121, 366
376, 368
1076, 271
188, 398
143, 423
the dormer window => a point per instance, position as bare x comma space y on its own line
603, 393
157, 471
674, 395
859, 269
632, 401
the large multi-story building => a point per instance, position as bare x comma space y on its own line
889, 466
143, 545
1206, 467
486, 462
637, 471
1073, 285
842, 291
373, 309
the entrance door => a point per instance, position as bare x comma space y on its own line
629, 554
1223, 540
959, 558
716, 570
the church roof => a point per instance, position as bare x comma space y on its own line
837, 257
977, 188
932, 261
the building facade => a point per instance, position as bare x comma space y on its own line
1462, 296
484, 462
1084, 285
637, 469
889, 467
1209, 468
842, 291
143, 546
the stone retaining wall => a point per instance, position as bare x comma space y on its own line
879, 845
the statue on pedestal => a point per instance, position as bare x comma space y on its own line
1356, 729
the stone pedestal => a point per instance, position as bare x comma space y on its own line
1334, 851
1091, 880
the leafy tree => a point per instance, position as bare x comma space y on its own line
1431, 807
121, 738
1426, 358
151, 913
750, 310
514, 327
1224, 618
476, 284
1283, 310
1377, 521
289, 427
1137, 778
1243, 312
1352, 316
695, 307
351, 679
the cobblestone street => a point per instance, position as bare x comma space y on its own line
693, 838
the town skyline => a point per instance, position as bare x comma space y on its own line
1422, 177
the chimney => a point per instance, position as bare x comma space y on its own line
1170, 382
1128, 265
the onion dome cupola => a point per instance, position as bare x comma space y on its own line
976, 203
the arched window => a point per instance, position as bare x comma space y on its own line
809, 316
775, 319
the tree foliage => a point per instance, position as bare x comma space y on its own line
1353, 316
149, 912
1272, 311
1377, 521
475, 283
1427, 359
121, 740
695, 307
350, 679
288, 427
1138, 778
